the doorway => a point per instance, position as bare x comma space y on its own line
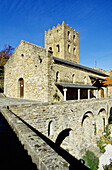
21, 87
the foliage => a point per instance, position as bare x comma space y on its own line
108, 167
91, 160
101, 145
107, 131
105, 139
5, 54
55, 96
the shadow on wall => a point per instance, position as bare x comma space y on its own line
74, 163
12, 153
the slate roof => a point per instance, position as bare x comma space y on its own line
79, 66
80, 86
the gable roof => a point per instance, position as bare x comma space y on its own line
58, 60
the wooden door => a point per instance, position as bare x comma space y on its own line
102, 92
21, 88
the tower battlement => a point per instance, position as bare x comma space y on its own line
64, 42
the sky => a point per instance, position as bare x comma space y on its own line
28, 19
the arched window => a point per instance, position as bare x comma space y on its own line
49, 128
21, 87
74, 37
58, 48
50, 48
68, 48
74, 50
57, 76
73, 78
68, 33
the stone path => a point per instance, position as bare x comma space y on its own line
4, 101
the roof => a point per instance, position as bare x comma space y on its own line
108, 81
80, 86
95, 77
79, 66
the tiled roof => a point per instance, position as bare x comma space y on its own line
70, 85
108, 81
79, 66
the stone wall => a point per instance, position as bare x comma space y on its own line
68, 74
81, 116
30, 63
64, 42
41, 153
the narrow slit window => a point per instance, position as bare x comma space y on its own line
68, 48
58, 48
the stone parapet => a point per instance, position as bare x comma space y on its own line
42, 155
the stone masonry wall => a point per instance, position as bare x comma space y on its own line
74, 75
64, 42
41, 154
81, 116
29, 62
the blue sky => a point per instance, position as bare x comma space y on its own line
28, 19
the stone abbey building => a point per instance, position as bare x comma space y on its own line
33, 72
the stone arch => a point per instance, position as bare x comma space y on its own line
85, 116
102, 121
21, 87
88, 127
110, 116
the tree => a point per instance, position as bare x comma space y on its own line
5, 54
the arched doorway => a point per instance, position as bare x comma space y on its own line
21, 87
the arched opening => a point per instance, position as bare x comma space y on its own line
49, 128
57, 76
73, 78
58, 48
50, 48
88, 124
110, 117
102, 92
21, 87
101, 121
68, 48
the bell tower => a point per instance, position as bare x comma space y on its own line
64, 42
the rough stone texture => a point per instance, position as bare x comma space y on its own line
59, 39
80, 116
36, 67
29, 62
42, 155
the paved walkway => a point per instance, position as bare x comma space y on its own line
4, 101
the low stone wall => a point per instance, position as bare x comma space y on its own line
42, 155
86, 118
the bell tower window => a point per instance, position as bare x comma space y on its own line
58, 48
68, 48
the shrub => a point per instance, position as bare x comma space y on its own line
101, 145
91, 160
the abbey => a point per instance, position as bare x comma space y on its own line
41, 74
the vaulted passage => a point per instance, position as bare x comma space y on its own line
12, 153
